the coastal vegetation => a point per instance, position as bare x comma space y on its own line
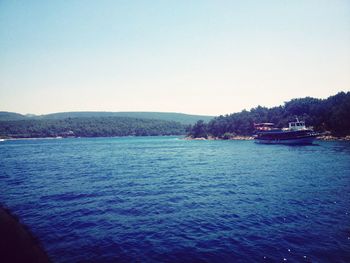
331, 114
88, 127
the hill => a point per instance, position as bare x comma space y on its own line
331, 114
166, 116
88, 127
7, 116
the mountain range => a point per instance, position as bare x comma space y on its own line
182, 118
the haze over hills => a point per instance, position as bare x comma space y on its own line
11, 116
165, 116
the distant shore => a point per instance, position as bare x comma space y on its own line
247, 138
209, 138
333, 138
73, 137
32, 138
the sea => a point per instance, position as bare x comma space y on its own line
166, 199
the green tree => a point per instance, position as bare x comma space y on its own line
199, 130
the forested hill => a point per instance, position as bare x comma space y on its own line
6, 116
166, 116
88, 127
331, 114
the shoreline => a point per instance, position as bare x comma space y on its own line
59, 137
211, 138
188, 138
333, 138
250, 138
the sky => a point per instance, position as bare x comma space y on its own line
198, 57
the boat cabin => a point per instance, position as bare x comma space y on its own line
297, 125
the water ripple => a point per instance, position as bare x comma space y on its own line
160, 199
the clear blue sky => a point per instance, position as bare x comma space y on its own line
204, 57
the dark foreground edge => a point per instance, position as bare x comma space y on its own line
17, 243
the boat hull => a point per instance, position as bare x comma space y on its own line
292, 141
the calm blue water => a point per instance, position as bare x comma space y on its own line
152, 199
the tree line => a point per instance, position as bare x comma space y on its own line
331, 114
89, 127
